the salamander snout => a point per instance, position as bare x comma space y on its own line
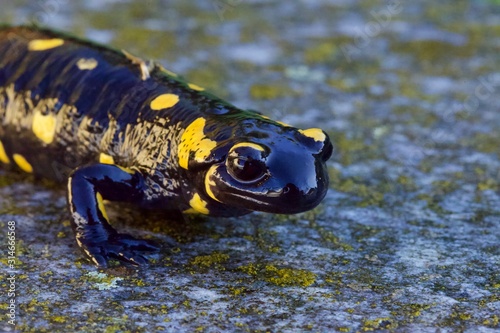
283, 174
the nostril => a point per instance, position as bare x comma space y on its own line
286, 189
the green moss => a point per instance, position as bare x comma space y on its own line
407, 183
270, 91
211, 79
486, 142
371, 191
140, 41
321, 52
330, 238
414, 114
350, 150
488, 184
442, 187
432, 50
433, 203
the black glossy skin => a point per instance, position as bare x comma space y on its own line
92, 117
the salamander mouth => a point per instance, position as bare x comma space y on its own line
288, 199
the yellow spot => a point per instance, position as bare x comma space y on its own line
3, 155
22, 163
210, 182
248, 144
164, 101
86, 64
44, 126
194, 140
199, 204
195, 87
100, 205
106, 159
314, 133
44, 44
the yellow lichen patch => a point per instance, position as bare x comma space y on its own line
3, 155
289, 277
100, 205
44, 44
314, 133
22, 163
106, 159
195, 87
164, 101
86, 64
198, 204
212, 260
247, 144
194, 140
44, 126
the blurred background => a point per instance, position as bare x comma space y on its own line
408, 237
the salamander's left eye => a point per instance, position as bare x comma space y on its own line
246, 163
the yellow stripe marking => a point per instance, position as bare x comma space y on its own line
86, 64
106, 159
44, 44
248, 144
195, 87
44, 126
3, 155
194, 140
314, 133
22, 163
100, 205
164, 101
210, 182
199, 204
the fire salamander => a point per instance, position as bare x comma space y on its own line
115, 127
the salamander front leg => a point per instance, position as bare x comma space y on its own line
87, 187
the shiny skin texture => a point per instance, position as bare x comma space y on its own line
117, 128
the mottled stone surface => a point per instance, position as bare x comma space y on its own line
407, 239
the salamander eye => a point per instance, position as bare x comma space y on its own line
246, 163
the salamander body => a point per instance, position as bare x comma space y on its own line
114, 127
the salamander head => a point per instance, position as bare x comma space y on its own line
271, 168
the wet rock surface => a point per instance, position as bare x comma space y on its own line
408, 237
